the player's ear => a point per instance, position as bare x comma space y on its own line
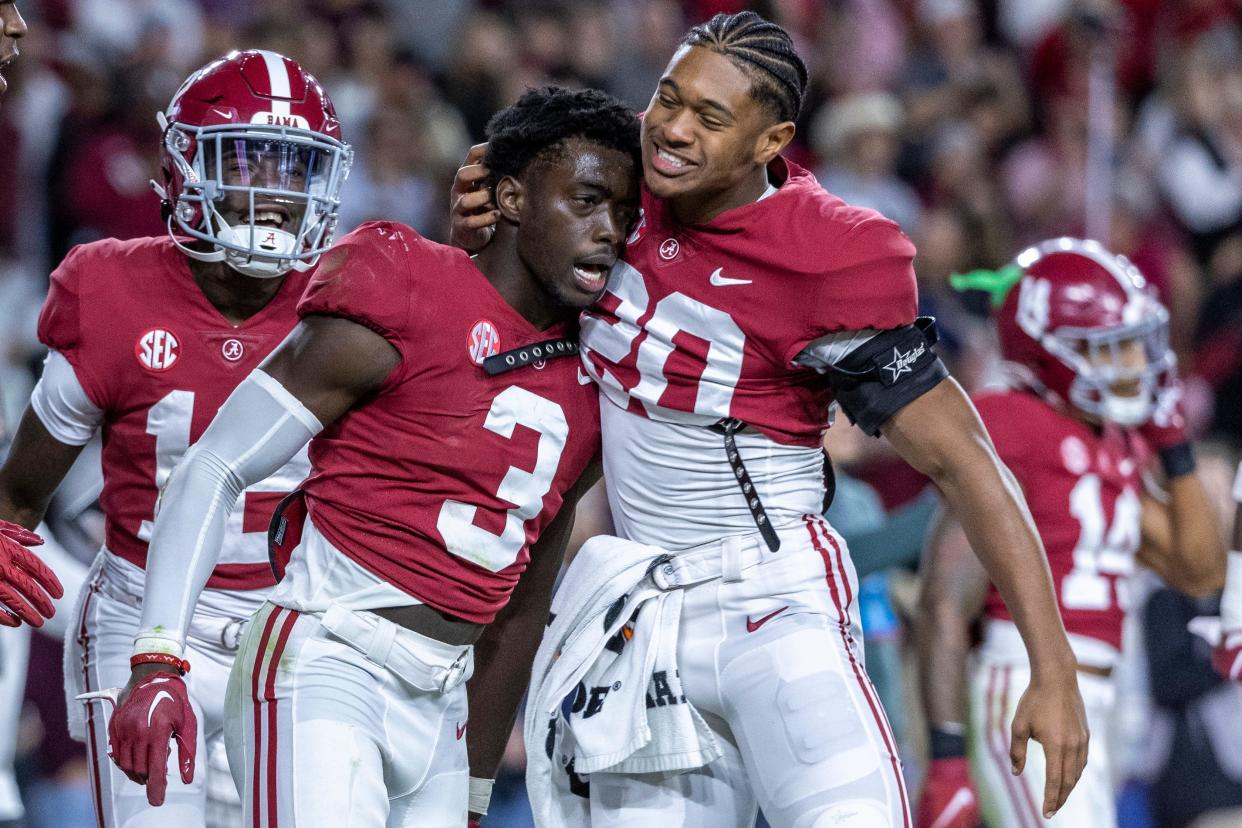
510, 198
772, 140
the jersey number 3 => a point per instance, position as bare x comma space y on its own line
526, 489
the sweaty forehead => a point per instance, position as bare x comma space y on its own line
704, 75
580, 161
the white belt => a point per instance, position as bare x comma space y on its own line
725, 559
418, 660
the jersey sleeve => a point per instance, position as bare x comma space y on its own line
1009, 430
62, 405
365, 278
64, 324
867, 282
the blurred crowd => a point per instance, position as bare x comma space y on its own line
979, 125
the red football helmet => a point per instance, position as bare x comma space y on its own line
1081, 323
253, 163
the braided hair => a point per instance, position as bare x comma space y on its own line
762, 50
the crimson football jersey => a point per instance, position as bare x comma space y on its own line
159, 360
440, 481
703, 322
1082, 486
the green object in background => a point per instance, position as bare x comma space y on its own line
995, 283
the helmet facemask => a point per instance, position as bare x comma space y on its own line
265, 197
1119, 371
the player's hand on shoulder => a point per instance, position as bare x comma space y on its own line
1227, 657
27, 585
473, 213
1051, 712
153, 708
948, 799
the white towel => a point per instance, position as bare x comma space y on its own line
611, 645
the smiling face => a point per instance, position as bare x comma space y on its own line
574, 208
12, 29
265, 166
705, 135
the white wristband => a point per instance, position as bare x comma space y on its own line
480, 795
1237, 484
1231, 598
157, 644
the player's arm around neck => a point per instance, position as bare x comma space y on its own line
504, 654
941, 435
313, 378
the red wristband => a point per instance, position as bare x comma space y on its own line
181, 664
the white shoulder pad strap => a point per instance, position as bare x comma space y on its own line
257, 430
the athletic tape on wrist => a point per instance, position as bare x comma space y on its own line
1231, 598
1177, 460
944, 743
480, 795
158, 644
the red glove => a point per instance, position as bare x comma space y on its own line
1167, 426
152, 711
27, 586
474, 822
1227, 657
948, 799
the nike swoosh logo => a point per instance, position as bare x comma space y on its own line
723, 281
222, 113
159, 697
751, 626
961, 800
583, 379
461, 730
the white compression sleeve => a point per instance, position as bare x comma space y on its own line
260, 426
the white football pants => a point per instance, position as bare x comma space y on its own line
774, 664
97, 652
342, 719
1009, 801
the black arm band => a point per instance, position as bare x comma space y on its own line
891, 370
946, 745
1177, 460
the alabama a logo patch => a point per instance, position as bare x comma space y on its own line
232, 349
158, 349
484, 341
1075, 456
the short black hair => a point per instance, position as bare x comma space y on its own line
540, 122
764, 51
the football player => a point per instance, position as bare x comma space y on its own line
451, 432
148, 337
1092, 401
12, 29
749, 300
